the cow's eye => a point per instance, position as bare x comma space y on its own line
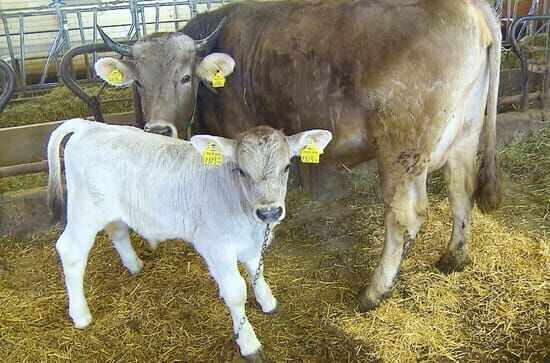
287, 168
241, 172
186, 79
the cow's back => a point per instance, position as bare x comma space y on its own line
371, 71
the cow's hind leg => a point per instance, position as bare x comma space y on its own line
459, 172
118, 232
406, 204
73, 247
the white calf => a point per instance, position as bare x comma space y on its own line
120, 177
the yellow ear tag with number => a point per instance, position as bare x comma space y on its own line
115, 76
218, 81
212, 156
310, 154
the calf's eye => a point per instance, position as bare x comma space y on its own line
241, 172
186, 79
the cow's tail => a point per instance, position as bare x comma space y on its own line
55, 188
488, 193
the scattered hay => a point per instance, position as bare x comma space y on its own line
29, 181
61, 104
498, 309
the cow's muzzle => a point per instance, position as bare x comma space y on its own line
165, 130
271, 214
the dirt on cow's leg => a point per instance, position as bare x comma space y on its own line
459, 172
324, 183
406, 205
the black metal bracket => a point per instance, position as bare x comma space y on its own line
92, 102
9, 84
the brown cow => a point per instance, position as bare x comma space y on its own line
404, 82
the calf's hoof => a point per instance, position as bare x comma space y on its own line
450, 262
82, 322
257, 357
136, 268
366, 302
273, 311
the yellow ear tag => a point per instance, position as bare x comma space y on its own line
212, 156
218, 81
115, 76
310, 154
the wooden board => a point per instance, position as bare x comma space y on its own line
26, 144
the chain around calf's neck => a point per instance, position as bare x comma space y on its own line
257, 273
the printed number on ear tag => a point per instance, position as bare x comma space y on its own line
218, 81
212, 156
310, 154
115, 76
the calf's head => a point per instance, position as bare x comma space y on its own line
260, 159
167, 69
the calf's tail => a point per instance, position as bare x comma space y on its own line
55, 189
488, 193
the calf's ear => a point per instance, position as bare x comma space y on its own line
225, 146
298, 141
215, 62
115, 72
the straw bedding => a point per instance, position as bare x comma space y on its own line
498, 309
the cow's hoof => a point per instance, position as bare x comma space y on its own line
257, 357
449, 263
367, 303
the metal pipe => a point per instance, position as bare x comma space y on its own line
22, 53
83, 41
9, 85
91, 101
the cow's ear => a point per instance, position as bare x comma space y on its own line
115, 72
213, 63
297, 142
225, 146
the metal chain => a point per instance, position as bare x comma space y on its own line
256, 274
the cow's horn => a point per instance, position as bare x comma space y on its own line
204, 46
121, 49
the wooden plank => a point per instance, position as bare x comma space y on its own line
26, 144
22, 169
539, 68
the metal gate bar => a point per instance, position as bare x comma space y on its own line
62, 41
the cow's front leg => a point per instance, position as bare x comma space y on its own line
224, 270
262, 291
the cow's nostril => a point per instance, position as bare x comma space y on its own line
160, 130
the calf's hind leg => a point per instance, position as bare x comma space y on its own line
406, 204
118, 232
73, 247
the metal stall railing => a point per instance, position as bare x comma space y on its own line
531, 66
509, 10
139, 25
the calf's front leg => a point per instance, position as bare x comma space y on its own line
223, 268
262, 291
